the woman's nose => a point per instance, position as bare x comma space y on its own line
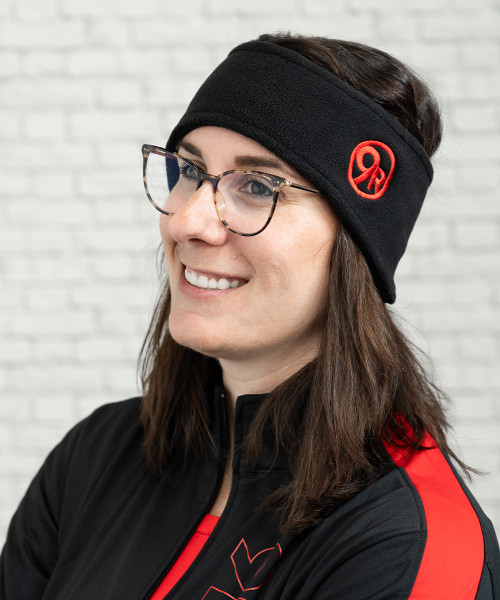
198, 219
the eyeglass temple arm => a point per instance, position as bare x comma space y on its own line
302, 187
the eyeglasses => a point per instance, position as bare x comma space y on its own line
244, 200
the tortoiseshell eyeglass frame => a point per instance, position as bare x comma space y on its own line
277, 182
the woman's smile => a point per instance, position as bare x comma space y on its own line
211, 281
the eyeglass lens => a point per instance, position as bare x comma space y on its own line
244, 201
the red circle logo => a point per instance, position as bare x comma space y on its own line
371, 168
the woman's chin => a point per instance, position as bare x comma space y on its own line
198, 338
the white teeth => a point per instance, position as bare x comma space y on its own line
202, 281
222, 284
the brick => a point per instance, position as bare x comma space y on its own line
109, 350
117, 267
478, 347
477, 117
9, 64
110, 8
119, 93
55, 155
465, 202
13, 182
479, 54
92, 62
43, 63
122, 322
141, 62
14, 297
46, 34
41, 323
217, 8
109, 32
107, 212
435, 55
93, 124
52, 298
461, 320
389, 6
110, 182
430, 235
107, 241
397, 27
37, 437
15, 352
53, 350
46, 93
41, 9
58, 408
476, 234
21, 465
481, 177
55, 378
469, 291
122, 382
86, 404
10, 128
471, 405
57, 242
107, 296
12, 242
54, 184
5, 8
44, 125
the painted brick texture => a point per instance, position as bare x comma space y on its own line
84, 84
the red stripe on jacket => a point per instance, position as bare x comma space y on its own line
453, 557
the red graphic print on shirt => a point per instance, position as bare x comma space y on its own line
251, 572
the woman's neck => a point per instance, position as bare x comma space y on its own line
241, 378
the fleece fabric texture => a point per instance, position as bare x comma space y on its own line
371, 169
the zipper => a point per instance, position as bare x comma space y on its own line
220, 471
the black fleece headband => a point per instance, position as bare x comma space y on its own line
371, 169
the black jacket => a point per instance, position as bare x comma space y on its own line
96, 525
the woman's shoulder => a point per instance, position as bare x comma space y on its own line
111, 423
423, 511
418, 527
112, 433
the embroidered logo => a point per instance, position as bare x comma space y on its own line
371, 168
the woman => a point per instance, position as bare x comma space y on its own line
288, 444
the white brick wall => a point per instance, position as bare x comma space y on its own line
84, 84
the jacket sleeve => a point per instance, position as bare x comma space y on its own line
31, 548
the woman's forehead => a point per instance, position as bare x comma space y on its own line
210, 142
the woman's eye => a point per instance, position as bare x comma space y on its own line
188, 172
257, 187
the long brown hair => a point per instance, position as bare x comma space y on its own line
367, 384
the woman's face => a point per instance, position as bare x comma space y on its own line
273, 315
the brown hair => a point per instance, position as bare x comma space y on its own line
366, 382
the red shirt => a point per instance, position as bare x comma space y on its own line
187, 556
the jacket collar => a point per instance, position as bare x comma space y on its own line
272, 457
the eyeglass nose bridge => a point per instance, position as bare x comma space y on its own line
214, 180
220, 204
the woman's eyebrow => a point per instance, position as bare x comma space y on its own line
244, 160
256, 161
191, 148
